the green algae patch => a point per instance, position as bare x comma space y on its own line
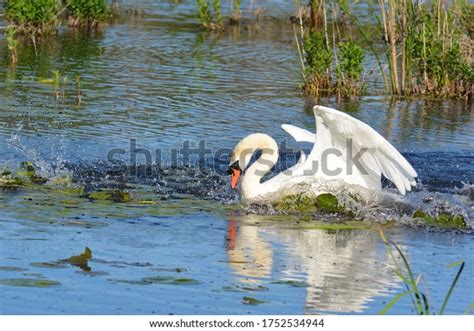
325, 202
27, 170
29, 282
8, 180
354, 225
170, 280
252, 301
443, 220
110, 195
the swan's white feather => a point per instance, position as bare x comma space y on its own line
334, 128
299, 135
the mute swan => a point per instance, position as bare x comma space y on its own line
344, 150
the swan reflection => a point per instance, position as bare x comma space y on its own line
344, 270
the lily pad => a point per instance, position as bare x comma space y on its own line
29, 282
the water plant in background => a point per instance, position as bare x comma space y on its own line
318, 68
87, 13
205, 16
32, 16
12, 44
349, 69
236, 14
415, 288
429, 47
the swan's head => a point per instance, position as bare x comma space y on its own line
243, 152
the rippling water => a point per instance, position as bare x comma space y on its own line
155, 78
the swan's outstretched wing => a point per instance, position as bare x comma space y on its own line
348, 135
305, 139
299, 135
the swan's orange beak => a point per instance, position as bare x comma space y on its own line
235, 178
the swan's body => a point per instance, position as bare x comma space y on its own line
338, 136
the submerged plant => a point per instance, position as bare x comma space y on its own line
419, 299
88, 13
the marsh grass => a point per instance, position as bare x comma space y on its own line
429, 47
415, 288
12, 44
213, 20
236, 13
34, 17
87, 13
331, 64
423, 49
205, 16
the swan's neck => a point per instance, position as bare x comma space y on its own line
251, 182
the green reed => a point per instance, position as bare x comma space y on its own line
414, 287
87, 13
236, 13
12, 44
429, 47
206, 18
32, 16
331, 64
349, 69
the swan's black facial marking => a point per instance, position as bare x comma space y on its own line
232, 167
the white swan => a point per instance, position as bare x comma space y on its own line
344, 149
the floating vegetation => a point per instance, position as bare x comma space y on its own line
418, 295
29, 282
306, 204
170, 280
87, 13
442, 220
251, 301
110, 195
81, 260
27, 171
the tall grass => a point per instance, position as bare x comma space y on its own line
421, 48
429, 47
331, 64
12, 44
414, 287
205, 16
87, 13
32, 16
